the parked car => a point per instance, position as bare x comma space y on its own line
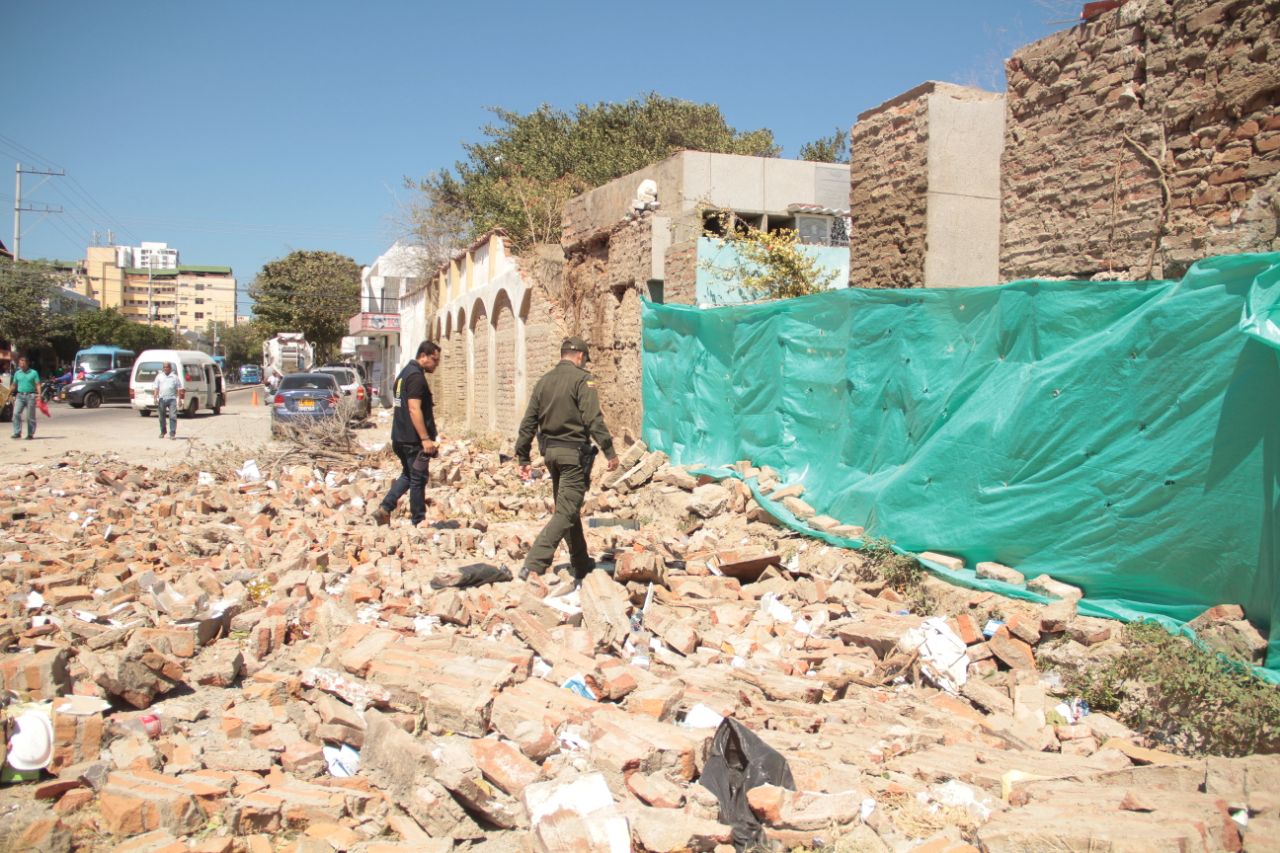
110, 386
352, 385
306, 399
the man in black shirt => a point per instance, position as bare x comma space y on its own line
413, 435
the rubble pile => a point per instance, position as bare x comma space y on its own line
231, 663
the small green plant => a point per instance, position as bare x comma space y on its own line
768, 264
900, 572
1185, 698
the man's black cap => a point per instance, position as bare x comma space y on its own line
575, 344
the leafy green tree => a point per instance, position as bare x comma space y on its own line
60, 332
140, 336
828, 149
109, 327
242, 343
520, 177
105, 327
310, 292
25, 288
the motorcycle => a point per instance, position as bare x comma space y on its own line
51, 389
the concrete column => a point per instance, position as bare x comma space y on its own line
521, 390
471, 376
493, 373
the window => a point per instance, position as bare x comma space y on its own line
814, 230
199, 315
192, 373
309, 381
199, 300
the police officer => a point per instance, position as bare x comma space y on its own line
413, 435
564, 410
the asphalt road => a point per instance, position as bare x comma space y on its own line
117, 427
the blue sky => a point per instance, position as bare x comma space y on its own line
240, 131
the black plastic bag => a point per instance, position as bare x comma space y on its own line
739, 762
476, 574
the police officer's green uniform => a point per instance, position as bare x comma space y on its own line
564, 410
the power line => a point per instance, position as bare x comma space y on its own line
26, 153
111, 220
243, 227
19, 208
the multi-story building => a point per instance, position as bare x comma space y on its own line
375, 333
149, 256
184, 297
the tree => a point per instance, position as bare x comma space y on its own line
111, 328
828, 149
519, 179
310, 292
769, 265
242, 344
25, 289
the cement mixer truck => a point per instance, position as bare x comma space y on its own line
287, 352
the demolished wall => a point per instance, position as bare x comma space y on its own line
605, 274
1142, 141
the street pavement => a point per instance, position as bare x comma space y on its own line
117, 427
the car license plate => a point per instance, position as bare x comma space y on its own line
306, 404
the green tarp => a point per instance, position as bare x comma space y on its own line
1120, 436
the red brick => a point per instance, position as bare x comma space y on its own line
158, 841
504, 765
213, 845
303, 759
1011, 651
72, 800
766, 802
1025, 629
966, 628
42, 834
655, 790
953, 707
131, 804
43, 675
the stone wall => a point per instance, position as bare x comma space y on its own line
889, 183
681, 284
448, 384
606, 273
505, 366
1142, 141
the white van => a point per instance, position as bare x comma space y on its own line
201, 377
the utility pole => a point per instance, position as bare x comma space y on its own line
18, 208
151, 271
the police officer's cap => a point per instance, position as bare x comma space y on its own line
575, 344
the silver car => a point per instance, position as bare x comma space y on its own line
352, 388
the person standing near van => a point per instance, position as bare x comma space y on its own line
413, 435
26, 385
168, 391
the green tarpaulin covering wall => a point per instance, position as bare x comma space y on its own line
1120, 436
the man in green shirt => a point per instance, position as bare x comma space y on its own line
564, 410
26, 385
